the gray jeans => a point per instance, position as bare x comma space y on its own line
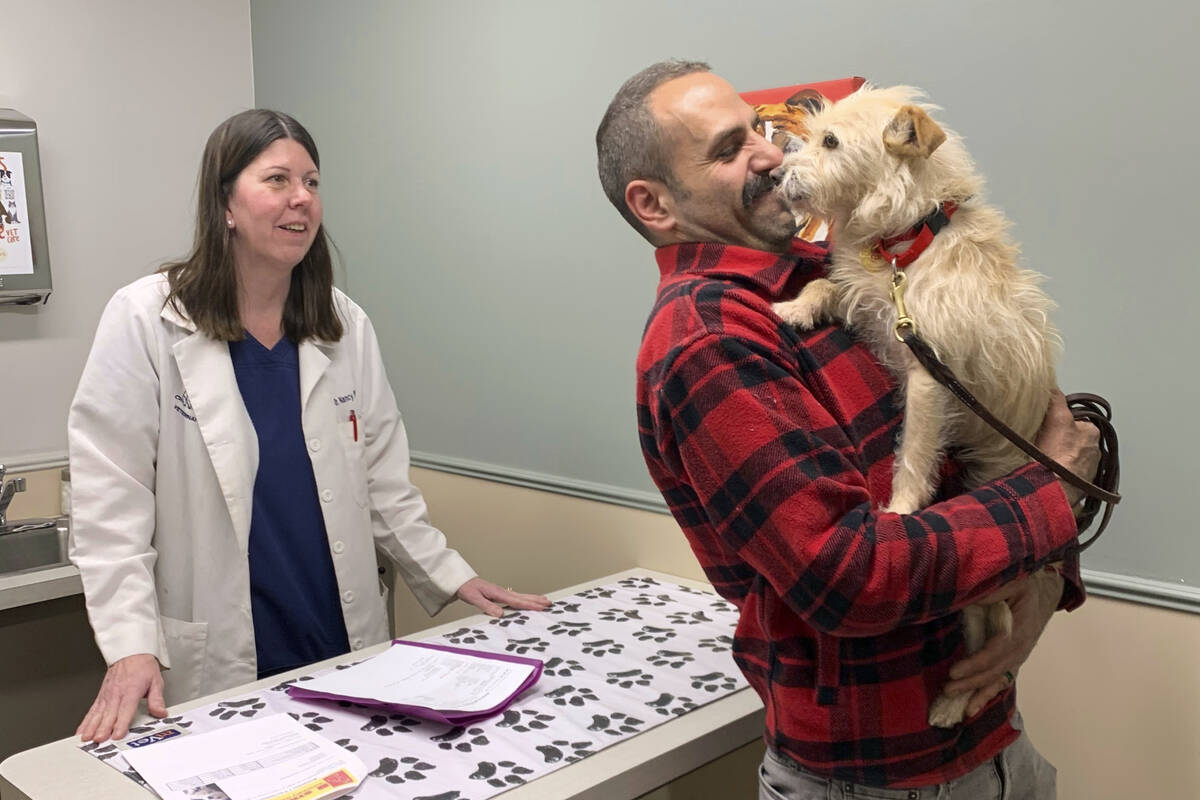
1018, 773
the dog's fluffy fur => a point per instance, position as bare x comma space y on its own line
876, 164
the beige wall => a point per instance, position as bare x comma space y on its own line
1111, 695
41, 495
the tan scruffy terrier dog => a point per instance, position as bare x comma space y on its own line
898, 189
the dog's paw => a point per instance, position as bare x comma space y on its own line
815, 306
946, 711
799, 314
910, 491
901, 505
999, 620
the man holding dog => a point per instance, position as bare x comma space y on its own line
774, 449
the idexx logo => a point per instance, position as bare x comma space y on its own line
153, 738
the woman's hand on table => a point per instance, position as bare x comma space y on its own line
488, 598
126, 682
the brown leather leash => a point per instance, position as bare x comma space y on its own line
1085, 407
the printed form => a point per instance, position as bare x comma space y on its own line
271, 758
433, 678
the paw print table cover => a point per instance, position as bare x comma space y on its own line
619, 659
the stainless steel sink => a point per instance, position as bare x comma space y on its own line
31, 544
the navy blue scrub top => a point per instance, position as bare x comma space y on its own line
293, 591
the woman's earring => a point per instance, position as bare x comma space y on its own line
229, 221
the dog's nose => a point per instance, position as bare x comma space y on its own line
778, 174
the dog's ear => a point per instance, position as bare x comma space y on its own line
912, 133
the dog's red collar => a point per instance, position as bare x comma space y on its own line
919, 237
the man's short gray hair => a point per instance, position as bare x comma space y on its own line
629, 142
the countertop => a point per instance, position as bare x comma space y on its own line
38, 585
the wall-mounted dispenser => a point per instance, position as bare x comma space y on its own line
24, 254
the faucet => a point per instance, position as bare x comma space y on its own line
7, 490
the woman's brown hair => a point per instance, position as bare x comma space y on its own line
204, 285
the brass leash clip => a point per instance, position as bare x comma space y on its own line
903, 320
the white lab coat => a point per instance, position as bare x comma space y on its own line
163, 462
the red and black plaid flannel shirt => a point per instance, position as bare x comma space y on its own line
773, 450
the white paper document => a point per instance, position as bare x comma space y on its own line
419, 676
271, 758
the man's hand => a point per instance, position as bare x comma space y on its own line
485, 596
1075, 445
126, 682
1033, 601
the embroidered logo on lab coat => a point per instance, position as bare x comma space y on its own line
184, 406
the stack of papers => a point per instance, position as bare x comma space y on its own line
451, 685
271, 758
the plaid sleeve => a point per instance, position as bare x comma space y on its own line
756, 447
1073, 592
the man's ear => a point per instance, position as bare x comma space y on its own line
911, 133
651, 202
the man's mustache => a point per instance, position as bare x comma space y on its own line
756, 187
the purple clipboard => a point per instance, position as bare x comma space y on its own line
437, 715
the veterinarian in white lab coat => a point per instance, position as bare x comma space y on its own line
190, 388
